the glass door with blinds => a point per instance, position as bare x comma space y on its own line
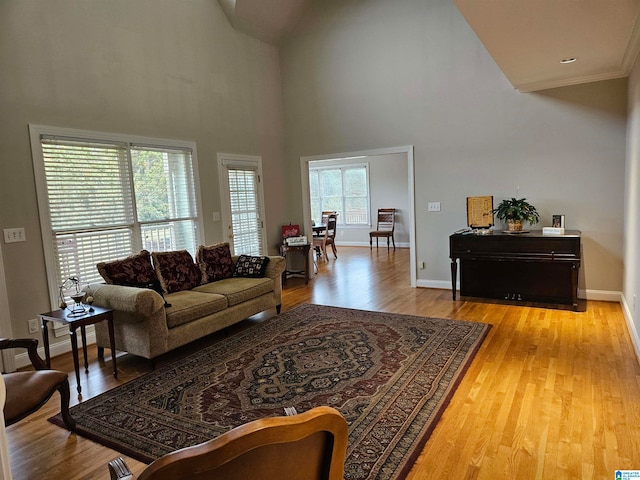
242, 200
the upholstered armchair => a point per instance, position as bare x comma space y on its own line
27, 391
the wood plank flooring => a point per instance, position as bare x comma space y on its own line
552, 394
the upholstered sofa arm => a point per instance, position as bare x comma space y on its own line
143, 302
275, 267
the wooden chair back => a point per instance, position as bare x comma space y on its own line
385, 227
386, 220
325, 215
332, 222
308, 446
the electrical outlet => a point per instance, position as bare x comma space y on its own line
433, 206
33, 325
12, 235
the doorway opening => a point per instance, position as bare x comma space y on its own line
378, 162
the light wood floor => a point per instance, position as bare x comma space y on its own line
552, 394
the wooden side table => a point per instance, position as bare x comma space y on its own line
90, 318
302, 250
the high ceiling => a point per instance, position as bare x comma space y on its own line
526, 38
266, 20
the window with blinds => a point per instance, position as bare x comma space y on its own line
340, 189
102, 199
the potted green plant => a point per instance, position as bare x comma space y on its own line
516, 211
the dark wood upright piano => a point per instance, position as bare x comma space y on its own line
524, 267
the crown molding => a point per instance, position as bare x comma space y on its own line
545, 85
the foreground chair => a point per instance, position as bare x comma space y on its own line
328, 237
308, 446
385, 227
27, 391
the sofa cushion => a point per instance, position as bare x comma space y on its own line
238, 289
188, 305
251, 266
176, 271
215, 262
132, 271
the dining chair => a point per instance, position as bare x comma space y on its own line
385, 227
327, 238
306, 446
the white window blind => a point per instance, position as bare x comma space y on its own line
341, 189
103, 200
90, 204
245, 210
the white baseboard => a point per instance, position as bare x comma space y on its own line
58, 348
441, 284
604, 295
633, 331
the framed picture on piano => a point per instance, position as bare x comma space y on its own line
480, 212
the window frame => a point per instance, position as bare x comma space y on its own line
342, 167
36, 132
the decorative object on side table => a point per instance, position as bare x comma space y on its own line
516, 211
71, 288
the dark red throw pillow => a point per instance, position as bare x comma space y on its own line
176, 270
215, 262
134, 270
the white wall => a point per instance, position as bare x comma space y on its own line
366, 75
632, 211
157, 68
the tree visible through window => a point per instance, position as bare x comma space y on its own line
342, 189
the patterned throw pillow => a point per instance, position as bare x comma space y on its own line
250, 266
134, 270
176, 271
215, 262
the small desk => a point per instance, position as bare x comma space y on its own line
90, 318
302, 250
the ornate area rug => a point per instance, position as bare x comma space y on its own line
390, 375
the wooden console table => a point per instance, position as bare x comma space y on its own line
527, 267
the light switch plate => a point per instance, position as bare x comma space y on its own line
433, 206
12, 235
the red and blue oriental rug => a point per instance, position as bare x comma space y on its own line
390, 375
